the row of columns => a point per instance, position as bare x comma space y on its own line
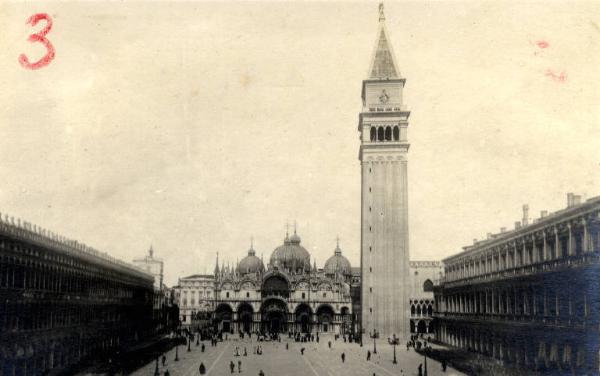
525, 349
16, 274
315, 322
577, 241
536, 301
60, 356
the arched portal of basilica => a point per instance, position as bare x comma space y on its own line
274, 316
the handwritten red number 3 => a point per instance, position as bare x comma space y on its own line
39, 37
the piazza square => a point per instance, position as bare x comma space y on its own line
318, 359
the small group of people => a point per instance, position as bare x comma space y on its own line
304, 337
237, 351
417, 344
242, 334
232, 366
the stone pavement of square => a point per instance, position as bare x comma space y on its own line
318, 359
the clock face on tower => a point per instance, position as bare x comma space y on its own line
384, 97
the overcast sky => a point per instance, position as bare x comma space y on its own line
194, 126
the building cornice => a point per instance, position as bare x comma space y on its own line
553, 219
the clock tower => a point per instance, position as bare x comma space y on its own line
383, 123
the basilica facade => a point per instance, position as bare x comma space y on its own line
285, 295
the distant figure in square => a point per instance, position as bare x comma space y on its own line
343, 357
231, 366
368, 355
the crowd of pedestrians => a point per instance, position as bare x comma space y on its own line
241, 349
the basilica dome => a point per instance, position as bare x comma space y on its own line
291, 256
251, 264
337, 263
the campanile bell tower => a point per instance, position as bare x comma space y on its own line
383, 124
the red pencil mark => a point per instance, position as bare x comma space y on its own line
542, 44
561, 77
39, 37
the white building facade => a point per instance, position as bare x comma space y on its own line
195, 296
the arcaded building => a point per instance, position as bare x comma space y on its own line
529, 297
62, 302
423, 274
287, 294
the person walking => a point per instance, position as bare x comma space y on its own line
420, 369
202, 348
444, 365
239, 366
231, 366
245, 352
368, 355
343, 357
261, 373
287, 346
302, 351
329, 343
202, 369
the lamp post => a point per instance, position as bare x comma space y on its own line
425, 370
361, 332
394, 342
177, 340
374, 335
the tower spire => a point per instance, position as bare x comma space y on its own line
217, 266
251, 251
383, 64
